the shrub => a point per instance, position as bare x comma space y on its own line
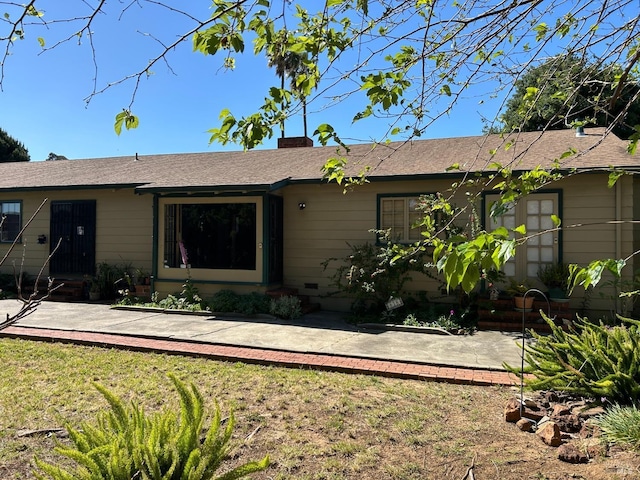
372, 273
621, 425
172, 302
287, 307
224, 301
593, 360
253, 303
125, 443
110, 278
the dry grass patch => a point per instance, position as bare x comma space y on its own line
314, 425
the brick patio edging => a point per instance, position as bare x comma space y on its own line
262, 356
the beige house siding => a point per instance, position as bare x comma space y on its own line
332, 219
330, 222
123, 226
589, 210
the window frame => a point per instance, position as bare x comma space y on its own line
521, 215
16, 238
208, 274
180, 227
407, 227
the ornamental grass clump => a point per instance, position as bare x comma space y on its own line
621, 425
592, 360
125, 444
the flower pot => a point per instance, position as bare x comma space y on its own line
523, 303
557, 293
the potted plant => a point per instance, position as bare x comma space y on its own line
555, 276
517, 289
142, 277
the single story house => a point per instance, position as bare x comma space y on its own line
265, 219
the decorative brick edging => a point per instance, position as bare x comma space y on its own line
338, 363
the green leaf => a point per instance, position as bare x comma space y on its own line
521, 229
556, 220
41, 41
568, 153
591, 275
613, 177
541, 31
127, 119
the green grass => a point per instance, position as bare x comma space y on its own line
314, 425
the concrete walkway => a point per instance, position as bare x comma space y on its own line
318, 340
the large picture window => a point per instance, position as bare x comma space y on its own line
11, 218
214, 235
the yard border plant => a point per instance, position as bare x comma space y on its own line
593, 360
125, 443
369, 274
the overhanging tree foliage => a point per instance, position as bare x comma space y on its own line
404, 64
11, 150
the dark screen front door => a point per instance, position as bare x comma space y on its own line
275, 272
73, 223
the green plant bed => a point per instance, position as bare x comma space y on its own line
591, 360
127, 443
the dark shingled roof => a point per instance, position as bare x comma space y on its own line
269, 169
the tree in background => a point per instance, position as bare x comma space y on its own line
11, 150
567, 89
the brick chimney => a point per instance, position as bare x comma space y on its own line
294, 142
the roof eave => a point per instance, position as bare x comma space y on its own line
187, 190
48, 188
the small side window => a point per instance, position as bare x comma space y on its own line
399, 215
10, 221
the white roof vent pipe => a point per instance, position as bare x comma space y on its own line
580, 131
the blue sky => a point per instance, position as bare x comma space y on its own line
42, 103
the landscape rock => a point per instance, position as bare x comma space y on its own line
525, 424
588, 412
560, 410
571, 454
550, 397
512, 410
550, 434
535, 415
568, 423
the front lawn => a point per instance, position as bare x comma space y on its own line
313, 425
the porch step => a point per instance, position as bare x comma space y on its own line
500, 315
70, 291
